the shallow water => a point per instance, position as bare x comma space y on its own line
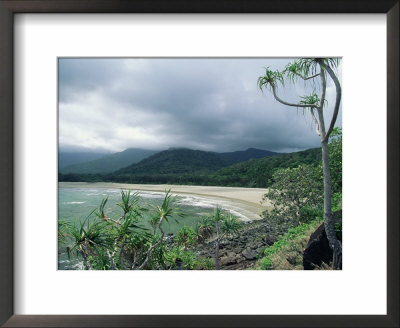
78, 203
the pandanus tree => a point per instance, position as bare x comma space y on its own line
223, 225
120, 242
316, 71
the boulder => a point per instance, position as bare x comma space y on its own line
317, 250
249, 254
228, 259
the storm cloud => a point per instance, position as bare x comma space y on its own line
153, 103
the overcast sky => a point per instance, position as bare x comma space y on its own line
206, 104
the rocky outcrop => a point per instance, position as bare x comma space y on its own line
317, 250
249, 254
242, 251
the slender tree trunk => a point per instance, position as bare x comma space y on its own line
329, 224
150, 251
112, 262
121, 252
217, 251
86, 260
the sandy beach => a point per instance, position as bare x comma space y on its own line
247, 199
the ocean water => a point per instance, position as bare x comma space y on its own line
77, 203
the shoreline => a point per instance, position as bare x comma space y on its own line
249, 199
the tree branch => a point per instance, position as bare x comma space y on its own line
111, 258
111, 220
316, 123
85, 258
289, 104
323, 91
120, 255
153, 246
307, 78
338, 98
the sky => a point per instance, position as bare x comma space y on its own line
208, 104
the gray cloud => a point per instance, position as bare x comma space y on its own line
209, 104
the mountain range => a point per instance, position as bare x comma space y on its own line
174, 160
108, 163
196, 167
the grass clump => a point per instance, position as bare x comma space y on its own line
287, 252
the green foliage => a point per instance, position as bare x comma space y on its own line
101, 213
258, 173
270, 78
295, 194
186, 237
301, 68
85, 238
335, 159
205, 264
63, 227
178, 257
287, 241
203, 229
336, 201
223, 223
230, 225
128, 201
119, 243
312, 99
305, 67
168, 208
309, 213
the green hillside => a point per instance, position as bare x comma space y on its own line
258, 173
195, 167
177, 161
245, 155
67, 158
109, 163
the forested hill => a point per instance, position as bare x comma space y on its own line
67, 158
258, 173
177, 161
109, 163
185, 166
245, 155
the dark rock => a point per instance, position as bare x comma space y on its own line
222, 252
317, 250
240, 259
229, 259
249, 254
254, 246
237, 250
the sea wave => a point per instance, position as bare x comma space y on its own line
69, 203
155, 195
213, 203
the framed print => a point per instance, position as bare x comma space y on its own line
58, 51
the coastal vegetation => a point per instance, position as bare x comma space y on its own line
126, 243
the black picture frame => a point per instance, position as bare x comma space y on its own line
10, 7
